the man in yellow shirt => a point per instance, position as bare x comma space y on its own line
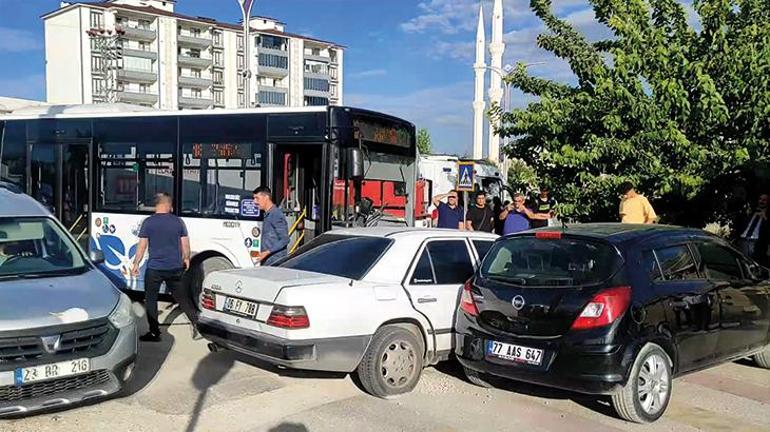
635, 208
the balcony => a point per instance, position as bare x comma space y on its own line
194, 102
194, 41
137, 76
139, 34
194, 82
317, 75
274, 51
316, 93
272, 96
137, 97
133, 52
317, 58
273, 72
198, 62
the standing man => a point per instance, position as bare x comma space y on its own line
755, 234
517, 216
165, 236
275, 229
480, 217
543, 204
450, 215
635, 208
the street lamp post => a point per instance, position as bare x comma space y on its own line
504, 73
246, 11
108, 44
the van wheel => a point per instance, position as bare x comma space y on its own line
392, 364
477, 378
647, 392
763, 358
198, 273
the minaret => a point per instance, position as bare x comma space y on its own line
479, 105
496, 49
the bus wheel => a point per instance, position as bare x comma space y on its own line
199, 271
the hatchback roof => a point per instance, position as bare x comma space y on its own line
620, 233
17, 204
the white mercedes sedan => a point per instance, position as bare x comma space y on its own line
376, 301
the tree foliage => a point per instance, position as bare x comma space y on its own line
682, 112
424, 143
521, 177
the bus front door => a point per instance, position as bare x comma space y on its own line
59, 179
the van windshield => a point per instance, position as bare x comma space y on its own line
36, 246
532, 262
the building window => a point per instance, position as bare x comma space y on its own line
218, 59
219, 97
97, 20
195, 32
195, 73
333, 90
316, 101
137, 64
144, 46
196, 93
95, 46
97, 64
316, 67
272, 98
144, 25
144, 88
218, 38
241, 100
333, 73
240, 81
239, 42
272, 60
97, 85
271, 42
240, 61
218, 77
316, 84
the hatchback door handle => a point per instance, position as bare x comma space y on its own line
427, 300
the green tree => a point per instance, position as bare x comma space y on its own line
683, 113
521, 177
424, 144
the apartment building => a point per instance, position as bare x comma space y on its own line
142, 52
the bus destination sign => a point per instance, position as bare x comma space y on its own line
221, 151
384, 134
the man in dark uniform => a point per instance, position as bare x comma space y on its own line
542, 204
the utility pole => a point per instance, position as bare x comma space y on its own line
107, 43
246, 10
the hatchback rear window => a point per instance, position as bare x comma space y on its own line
346, 256
531, 262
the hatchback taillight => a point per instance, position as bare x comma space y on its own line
606, 306
467, 303
207, 300
289, 317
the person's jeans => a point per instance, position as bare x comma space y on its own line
175, 286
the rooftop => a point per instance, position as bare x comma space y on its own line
202, 20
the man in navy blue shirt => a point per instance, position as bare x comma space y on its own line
275, 230
165, 235
450, 215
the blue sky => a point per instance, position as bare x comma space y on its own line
411, 58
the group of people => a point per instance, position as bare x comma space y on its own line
501, 218
166, 238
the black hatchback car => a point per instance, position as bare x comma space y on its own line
612, 309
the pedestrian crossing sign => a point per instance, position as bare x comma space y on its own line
465, 176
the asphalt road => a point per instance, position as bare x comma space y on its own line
180, 386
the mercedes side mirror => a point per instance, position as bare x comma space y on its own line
96, 256
355, 163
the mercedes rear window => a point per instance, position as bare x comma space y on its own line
563, 262
339, 255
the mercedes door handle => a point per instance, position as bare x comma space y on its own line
427, 300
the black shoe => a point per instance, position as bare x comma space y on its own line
150, 337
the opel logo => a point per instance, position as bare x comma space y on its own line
238, 287
518, 302
51, 344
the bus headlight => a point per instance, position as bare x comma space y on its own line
123, 314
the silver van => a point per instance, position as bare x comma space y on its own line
67, 335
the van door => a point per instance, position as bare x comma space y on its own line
434, 284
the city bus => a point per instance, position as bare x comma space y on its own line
98, 168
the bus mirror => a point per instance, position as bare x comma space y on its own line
355, 162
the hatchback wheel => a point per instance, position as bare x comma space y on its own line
763, 358
647, 392
393, 363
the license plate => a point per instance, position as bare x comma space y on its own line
50, 371
516, 353
240, 307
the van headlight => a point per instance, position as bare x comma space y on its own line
123, 314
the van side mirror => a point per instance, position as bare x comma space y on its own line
355, 163
96, 256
